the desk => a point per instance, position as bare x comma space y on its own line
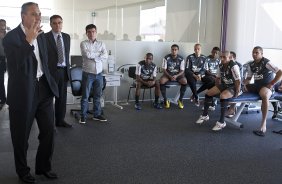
113, 79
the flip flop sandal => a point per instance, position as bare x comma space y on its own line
259, 133
277, 132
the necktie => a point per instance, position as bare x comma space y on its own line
60, 50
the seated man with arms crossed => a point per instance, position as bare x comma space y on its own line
146, 72
173, 68
263, 71
229, 76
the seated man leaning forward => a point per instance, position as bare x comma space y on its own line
263, 71
228, 85
146, 72
173, 67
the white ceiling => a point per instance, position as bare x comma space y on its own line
98, 4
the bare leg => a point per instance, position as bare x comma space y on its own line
265, 94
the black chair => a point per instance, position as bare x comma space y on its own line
75, 83
76, 60
131, 74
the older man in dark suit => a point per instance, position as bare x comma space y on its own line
30, 93
58, 44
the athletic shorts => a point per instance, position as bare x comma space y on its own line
254, 88
231, 89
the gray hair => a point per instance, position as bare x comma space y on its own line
25, 6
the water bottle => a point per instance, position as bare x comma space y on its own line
111, 63
102, 101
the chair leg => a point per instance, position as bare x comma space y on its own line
143, 95
151, 96
128, 94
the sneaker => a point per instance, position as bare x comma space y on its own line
197, 103
215, 102
157, 106
211, 108
275, 115
82, 120
180, 104
137, 106
230, 115
192, 98
167, 104
218, 126
202, 119
100, 118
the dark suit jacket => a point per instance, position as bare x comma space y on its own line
53, 53
22, 68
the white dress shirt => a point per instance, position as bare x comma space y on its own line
39, 72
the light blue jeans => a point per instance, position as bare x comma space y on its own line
91, 84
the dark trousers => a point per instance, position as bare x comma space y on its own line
191, 81
60, 102
20, 126
2, 86
208, 82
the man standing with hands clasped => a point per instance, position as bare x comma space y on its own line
30, 93
58, 45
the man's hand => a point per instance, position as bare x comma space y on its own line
198, 77
173, 78
150, 83
32, 32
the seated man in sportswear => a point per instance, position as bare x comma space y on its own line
173, 68
210, 67
276, 109
194, 70
146, 72
263, 71
276, 106
228, 85
232, 108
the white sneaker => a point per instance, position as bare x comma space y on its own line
82, 120
202, 119
218, 126
211, 108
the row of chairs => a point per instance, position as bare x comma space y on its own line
131, 74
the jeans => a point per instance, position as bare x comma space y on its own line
2, 86
92, 85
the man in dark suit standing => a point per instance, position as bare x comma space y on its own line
58, 44
30, 93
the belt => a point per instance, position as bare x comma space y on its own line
61, 67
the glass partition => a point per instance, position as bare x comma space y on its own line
131, 28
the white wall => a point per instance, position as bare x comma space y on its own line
252, 23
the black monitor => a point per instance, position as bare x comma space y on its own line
76, 60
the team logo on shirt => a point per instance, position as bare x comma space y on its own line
227, 81
258, 76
